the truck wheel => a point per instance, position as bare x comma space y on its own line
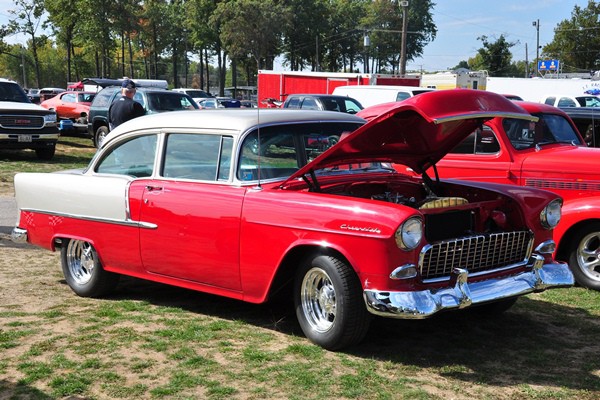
100, 135
584, 258
45, 153
83, 271
329, 303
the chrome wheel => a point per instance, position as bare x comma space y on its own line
588, 255
318, 300
80, 261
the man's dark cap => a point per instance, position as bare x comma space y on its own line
128, 84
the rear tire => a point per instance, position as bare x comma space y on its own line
584, 257
83, 271
329, 303
100, 135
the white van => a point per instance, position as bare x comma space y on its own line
370, 95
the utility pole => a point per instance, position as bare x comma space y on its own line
537, 46
404, 5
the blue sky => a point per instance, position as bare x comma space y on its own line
461, 22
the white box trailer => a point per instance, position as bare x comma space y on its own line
370, 95
536, 89
463, 79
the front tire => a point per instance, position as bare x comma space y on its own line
584, 258
329, 303
83, 271
45, 153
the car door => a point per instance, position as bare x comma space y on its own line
66, 106
196, 213
479, 157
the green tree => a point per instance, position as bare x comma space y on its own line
306, 30
27, 18
576, 42
252, 27
63, 19
384, 22
495, 57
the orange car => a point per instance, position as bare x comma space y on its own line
73, 105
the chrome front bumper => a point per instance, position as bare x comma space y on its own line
18, 235
462, 294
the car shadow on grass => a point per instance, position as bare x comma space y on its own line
534, 343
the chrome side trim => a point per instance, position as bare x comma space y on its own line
425, 303
18, 235
126, 222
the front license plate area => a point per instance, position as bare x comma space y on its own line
25, 138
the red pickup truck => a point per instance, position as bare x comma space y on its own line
548, 154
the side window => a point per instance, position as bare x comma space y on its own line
566, 102
481, 141
225, 159
467, 146
309, 104
192, 156
294, 102
402, 96
134, 157
68, 98
102, 99
550, 100
486, 142
139, 98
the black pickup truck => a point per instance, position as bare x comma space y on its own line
587, 120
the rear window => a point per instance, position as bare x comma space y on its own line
102, 98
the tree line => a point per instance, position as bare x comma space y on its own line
211, 43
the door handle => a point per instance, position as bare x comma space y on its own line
153, 188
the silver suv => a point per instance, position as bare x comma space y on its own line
24, 125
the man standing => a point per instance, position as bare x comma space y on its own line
125, 108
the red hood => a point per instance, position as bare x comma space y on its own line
416, 132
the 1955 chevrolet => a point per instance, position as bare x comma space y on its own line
246, 203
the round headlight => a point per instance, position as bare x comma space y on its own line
550, 215
409, 234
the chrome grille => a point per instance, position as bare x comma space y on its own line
22, 121
475, 253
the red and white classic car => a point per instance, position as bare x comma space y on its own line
548, 154
247, 203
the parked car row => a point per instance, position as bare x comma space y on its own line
247, 205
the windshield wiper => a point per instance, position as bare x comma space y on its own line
540, 144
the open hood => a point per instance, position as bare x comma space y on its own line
416, 132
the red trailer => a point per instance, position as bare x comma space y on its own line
275, 86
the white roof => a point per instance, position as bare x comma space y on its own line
235, 121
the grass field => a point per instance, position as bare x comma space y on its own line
150, 341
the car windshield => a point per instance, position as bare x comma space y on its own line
588, 101
169, 101
12, 92
550, 128
279, 151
